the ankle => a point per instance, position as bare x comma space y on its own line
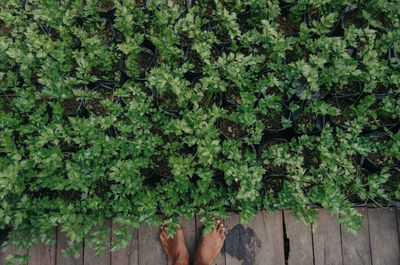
181, 259
200, 261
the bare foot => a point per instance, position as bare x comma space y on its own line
175, 247
210, 245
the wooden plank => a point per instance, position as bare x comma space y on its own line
232, 241
43, 254
269, 245
150, 249
300, 239
61, 245
327, 240
220, 258
384, 236
248, 241
90, 257
356, 249
130, 254
398, 222
11, 250
189, 232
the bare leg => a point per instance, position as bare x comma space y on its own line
175, 247
210, 245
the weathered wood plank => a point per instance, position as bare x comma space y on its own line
220, 258
398, 222
356, 249
189, 230
150, 249
232, 241
11, 250
90, 257
300, 240
327, 240
248, 242
43, 254
384, 236
269, 248
130, 254
61, 245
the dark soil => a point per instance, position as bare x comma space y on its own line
194, 58
140, 3
5, 104
311, 158
349, 89
106, 33
161, 166
343, 104
144, 60
382, 89
95, 106
184, 39
383, 118
273, 183
286, 22
231, 129
295, 54
207, 101
379, 157
206, 7
354, 18
273, 121
6, 31
233, 95
269, 167
105, 4
308, 120
168, 102
220, 31
277, 92
384, 20
394, 180
71, 105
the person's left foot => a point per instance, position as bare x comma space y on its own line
175, 247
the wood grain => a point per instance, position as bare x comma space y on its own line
232, 241
398, 222
43, 254
11, 250
130, 254
63, 244
384, 236
269, 250
189, 230
220, 258
300, 240
356, 249
150, 249
327, 240
90, 257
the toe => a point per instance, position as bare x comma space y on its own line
217, 223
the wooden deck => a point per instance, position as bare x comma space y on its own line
263, 241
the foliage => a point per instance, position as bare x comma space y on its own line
138, 112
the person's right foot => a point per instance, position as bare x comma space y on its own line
210, 245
